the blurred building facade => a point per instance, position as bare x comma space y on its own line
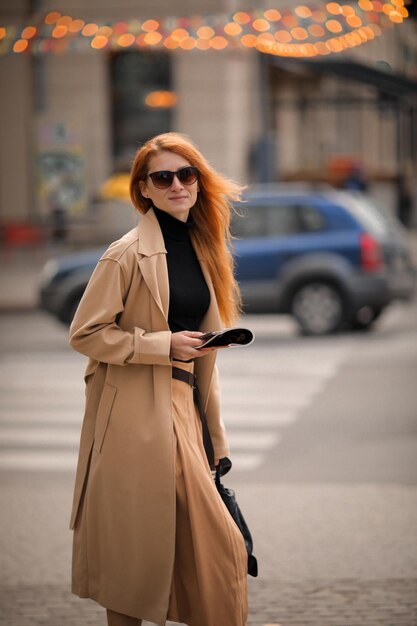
67, 121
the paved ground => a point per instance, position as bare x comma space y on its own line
337, 543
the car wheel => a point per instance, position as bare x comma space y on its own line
318, 308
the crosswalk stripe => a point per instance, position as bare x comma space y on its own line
244, 462
42, 403
253, 440
69, 438
13, 437
240, 416
36, 460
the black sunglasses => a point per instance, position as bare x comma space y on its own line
163, 179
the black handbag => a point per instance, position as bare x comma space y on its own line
224, 466
229, 498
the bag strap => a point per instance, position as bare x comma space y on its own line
179, 374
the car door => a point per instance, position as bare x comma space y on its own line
264, 233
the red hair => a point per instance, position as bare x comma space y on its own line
211, 214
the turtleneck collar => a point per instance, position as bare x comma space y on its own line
171, 227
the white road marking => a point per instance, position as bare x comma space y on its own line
42, 402
60, 437
43, 461
253, 440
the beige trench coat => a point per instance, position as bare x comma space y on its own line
124, 497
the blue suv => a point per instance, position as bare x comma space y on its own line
327, 257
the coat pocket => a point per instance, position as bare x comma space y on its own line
103, 415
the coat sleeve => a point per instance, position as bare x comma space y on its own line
95, 332
214, 420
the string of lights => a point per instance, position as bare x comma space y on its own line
306, 30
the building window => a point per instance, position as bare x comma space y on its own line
142, 100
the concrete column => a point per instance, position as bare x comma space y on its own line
218, 105
16, 156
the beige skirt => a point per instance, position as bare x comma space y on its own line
209, 586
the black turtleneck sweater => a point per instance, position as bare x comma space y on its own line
189, 297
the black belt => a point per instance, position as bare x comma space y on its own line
191, 380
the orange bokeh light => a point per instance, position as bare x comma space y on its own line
290, 21
106, 31
150, 25
348, 10
20, 45
365, 5
206, 32
397, 3
232, 29
299, 33
272, 15
319, 16
161, 99
59, 31
76, 25
396, 17
283, 36
99, 41
89, 29
334, 8
152, 38
268, 37
354, 21
241, 17
65, 20
188, 43
52, 17
335, 45
2, 32
202, 44
28, 32
316, 30
322, 47
249, 41
261, 25
303, 11
179, 34
126, 40
218, 42
334, 26
170, 43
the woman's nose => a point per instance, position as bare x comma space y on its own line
176, 183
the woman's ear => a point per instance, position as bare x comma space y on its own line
143, 189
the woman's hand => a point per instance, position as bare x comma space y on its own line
184, 344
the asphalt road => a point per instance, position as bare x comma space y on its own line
324, 443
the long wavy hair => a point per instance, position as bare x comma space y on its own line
211, 215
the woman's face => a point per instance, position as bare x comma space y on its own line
177, 199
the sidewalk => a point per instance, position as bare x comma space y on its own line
21, 273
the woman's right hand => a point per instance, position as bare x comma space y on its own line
184, 344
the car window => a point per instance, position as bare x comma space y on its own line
250, 222
311, 219
262, 221
368, 214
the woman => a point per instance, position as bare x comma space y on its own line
152, 538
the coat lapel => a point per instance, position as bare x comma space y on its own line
152, 260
